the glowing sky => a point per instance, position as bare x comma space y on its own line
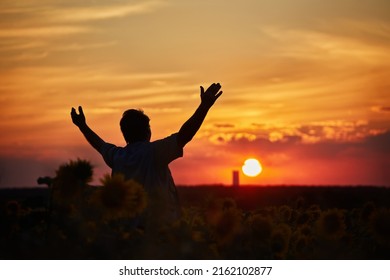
306, 85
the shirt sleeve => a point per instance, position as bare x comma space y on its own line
108, 152
166, 150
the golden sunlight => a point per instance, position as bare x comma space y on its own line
252, 167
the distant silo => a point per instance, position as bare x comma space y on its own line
236, 178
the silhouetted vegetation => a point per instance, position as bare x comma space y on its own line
73, 220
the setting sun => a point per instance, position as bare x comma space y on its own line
252, 167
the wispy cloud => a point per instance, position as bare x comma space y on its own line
39, 49
380, 109
341, 41
43, 23
15, 45
41, 11
48, 31
373, 32
27, 56
340, 131
84, 14
57, 88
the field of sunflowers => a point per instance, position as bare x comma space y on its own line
72, 220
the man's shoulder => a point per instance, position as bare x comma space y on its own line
109, 149
167, 149
170, 138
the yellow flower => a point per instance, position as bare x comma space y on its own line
280, 240
303, 217
314, 211
90, 229
305, 230
331, 224
13, 208
285, 213
71, 179
228, 226
120, 198
225, 219
301, 245
197, 235
197, 226
301, 242
380, 226
197, 222
228, 203
367, 210
261, 227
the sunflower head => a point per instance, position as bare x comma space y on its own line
224, 218
380, 226
13, 208
285, 213
261, 226
72, 178
331, 224
280, 240
301, 245
367, 210
120, 198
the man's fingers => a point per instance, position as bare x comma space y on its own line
74, 112
212, 92
214, 88
81, 110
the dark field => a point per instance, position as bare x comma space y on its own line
217, 223
250, 198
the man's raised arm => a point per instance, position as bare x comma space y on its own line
80, 122
192, 125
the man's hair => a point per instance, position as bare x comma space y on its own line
135, 126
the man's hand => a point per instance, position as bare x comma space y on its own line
192, 125
89, 134
209, 96
78, 119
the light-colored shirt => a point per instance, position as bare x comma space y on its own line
147, 164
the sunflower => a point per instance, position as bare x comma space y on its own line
331, 224
380, 226
13, 208
301, 241
228, 203
261, 226
301, 245
285, 213
89, 230
367, 210
120, 198
225, 220
303, 217
305, 230
314, 211
71, 180
280, 241
228, 226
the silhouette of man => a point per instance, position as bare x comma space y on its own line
147, 162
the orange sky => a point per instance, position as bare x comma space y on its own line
306, 85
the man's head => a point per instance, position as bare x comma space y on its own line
135, 126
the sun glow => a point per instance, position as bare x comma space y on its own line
252, 167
